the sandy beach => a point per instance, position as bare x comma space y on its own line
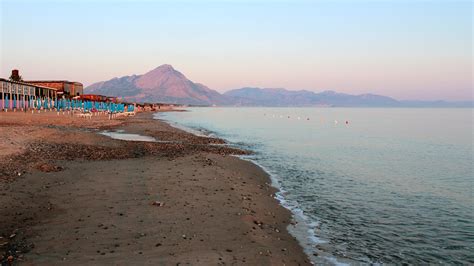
72, 196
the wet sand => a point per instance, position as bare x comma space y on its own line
71, 196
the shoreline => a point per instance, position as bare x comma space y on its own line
300, 228
175, 174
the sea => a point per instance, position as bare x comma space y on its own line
365, 185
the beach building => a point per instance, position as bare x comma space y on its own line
98, 98
92, 97
16, 94
113, 99
64, 88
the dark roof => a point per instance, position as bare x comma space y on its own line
94, 95
52, 81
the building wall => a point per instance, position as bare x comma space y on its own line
57, 85
77, 89
66, 87
94, 97
21, 89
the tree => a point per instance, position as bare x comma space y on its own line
16, 77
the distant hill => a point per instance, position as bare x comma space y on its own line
163, 84
282, 97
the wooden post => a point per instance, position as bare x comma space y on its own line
3, 96
17, 96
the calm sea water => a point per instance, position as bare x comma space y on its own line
391, 186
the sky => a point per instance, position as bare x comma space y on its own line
404, 49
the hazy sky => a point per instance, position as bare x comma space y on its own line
404, 49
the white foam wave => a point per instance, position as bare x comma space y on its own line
304, 229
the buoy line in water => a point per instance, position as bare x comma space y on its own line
336, 122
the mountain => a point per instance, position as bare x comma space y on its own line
163, 84
282, 97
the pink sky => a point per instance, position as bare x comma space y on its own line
406, 50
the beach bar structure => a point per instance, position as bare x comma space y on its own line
64, 88
18, 95
93, 97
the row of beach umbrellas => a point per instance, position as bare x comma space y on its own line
63, 104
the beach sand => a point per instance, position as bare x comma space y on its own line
71, 196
